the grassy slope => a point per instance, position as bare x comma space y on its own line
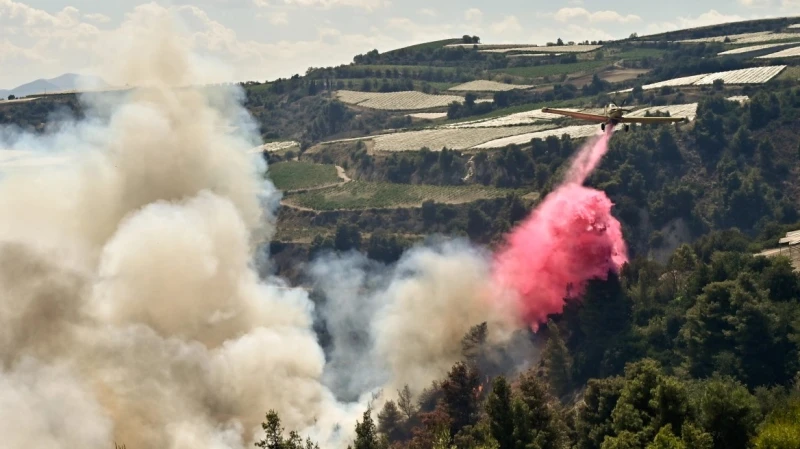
428, 45
543, 70
293, 175
365, 195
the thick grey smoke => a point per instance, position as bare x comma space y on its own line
131, 308
403, 325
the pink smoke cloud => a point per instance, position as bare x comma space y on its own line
570, 238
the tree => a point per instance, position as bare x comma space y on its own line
729, 413
682, 262
781, 429
557, 360
536, 422
405, 403
766, 152
434, 432
459, 395
366, 433
501, 416
665, 439
469, 100
12, 97
390, 421
347, 237
274, 432
594, 415
472, 342
273, 438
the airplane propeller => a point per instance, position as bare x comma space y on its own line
624, 101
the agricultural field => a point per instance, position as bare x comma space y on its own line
552, 49
428, 115
396, 101
454, 139
755, 75
769, 38
532, 55
787, 53
294, 175
553, 69
377, 80
733, 38
271, 147
674, 110
488, 86
616, 76
575, 132
750, 49
504, 48
368, 195
516, 119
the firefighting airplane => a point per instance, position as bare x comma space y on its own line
614, 115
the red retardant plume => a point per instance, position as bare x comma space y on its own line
569, 239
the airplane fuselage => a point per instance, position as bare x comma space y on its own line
613, 113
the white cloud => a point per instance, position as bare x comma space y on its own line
712, 17
36, 41
785, 5
427, 12
97, 18
509, 24
369, 5
473, 15
568, 14
277, 17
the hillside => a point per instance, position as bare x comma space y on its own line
694, 343
65, 82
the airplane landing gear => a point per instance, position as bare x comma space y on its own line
603, 126
627, 127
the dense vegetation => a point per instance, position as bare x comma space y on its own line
702, 352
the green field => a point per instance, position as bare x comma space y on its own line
580, 66
441, 86
639, 53
428, 45
293, 175
365, 195
540, 71
414, 68
789, 73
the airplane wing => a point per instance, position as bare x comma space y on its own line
578, 115
652, 119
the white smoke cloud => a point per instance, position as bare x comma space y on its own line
132, 311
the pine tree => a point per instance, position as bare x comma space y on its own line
390, 422
273, 430
536, 422
405, 403
366, 432
460, 396
557, 361
501, 418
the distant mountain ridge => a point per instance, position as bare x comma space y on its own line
67, 81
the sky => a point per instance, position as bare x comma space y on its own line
259, 40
